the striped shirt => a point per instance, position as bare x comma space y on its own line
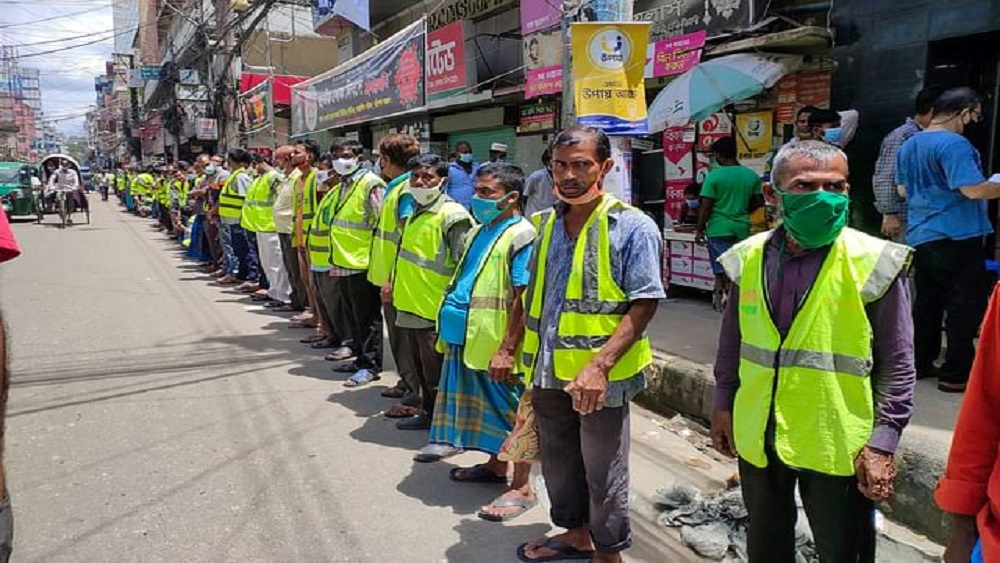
887, 199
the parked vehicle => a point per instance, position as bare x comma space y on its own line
15, 188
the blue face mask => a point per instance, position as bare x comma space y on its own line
465, 157
486, 211
831, 135
190, 177
210, 169
693, 203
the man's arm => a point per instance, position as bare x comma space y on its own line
705, 210
893, 373
984, 190
727, 375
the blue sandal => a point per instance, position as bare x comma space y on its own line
361, 377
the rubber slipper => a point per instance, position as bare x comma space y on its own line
323, 344
362, 377
346, 367
475, 474
312, 339
522, 503
402, 411
563, 552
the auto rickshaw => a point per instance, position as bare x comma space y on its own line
15, 188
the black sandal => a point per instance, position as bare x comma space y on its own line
476, 474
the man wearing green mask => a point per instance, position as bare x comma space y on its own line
815, 371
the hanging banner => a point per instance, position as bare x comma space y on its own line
543, 67
448, 71
674, 56
385, 80
539, 15
256, 108
608, 63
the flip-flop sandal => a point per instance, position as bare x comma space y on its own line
393, 393
363, 377
312, 339
346, 367
322, 344
402, 411
475, 474
563, 552
523, 504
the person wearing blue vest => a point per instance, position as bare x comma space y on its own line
595, 286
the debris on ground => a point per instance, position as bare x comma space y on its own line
715, 526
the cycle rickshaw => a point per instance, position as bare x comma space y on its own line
59, 201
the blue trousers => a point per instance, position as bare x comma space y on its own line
248, 265
229, 262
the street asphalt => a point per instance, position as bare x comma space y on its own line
155, 416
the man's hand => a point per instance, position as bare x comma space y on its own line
589, 389
891, 225
722, 432
386, 293
963, 539
699, 238
502, 366
876, 473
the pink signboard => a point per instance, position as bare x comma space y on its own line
446, 70
537, 15
675, 55
542, 81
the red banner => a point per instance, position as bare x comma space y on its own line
446, 60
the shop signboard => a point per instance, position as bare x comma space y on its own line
608, 63
543, 64
675, 55
677, 17
813, 88
537, 118
456, 10
150, 72
256, 108
447, 70
786, 91
386, 80
713, 128
539, 15
754, 140
206, 129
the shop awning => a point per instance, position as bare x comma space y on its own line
282, 82
808, 40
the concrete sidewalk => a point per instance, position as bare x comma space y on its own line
685, 335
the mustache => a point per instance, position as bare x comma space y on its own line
569, 184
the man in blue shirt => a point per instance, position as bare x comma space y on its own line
461, 175
945, 191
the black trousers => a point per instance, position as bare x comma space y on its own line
290, 257
952, 285
330, 307
361, 308
408, 381
425, 361
841, 518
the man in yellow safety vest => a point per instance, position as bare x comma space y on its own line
815, 368
432, 242
594, 288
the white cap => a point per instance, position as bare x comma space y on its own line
498, 147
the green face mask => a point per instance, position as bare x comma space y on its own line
814, 219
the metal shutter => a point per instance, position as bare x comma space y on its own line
481, 141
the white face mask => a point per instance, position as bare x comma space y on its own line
321, 176
345, 166
425, 196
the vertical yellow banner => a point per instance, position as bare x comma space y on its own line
608, 63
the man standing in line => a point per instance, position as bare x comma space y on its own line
461, 175
231, 200
888, 201
595, 285
328, 309
432, 243
814, 373
729, 194
258, 215
284, 219
946, 195
395, 152
538, 187
304, 204
355, 213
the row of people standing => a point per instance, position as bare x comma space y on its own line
523, 339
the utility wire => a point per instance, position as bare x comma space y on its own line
60, 16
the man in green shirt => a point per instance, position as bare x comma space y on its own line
729, 194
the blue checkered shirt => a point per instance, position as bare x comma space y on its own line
887, 199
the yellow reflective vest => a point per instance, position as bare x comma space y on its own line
304, 200
385, 242
352, 228
257, 213
492, 292
318, 239
594, 304
816, 379
230, 200
424, 265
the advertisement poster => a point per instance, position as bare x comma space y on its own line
608, 63
674, 56
446, 65
678, 155
206, 129
675, 198
686, 16
713, 128
538, 15
537, 118
787, 103
256, 108
814, 88
385, 80
543, 64
753, 140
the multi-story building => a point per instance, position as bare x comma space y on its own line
31, 94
